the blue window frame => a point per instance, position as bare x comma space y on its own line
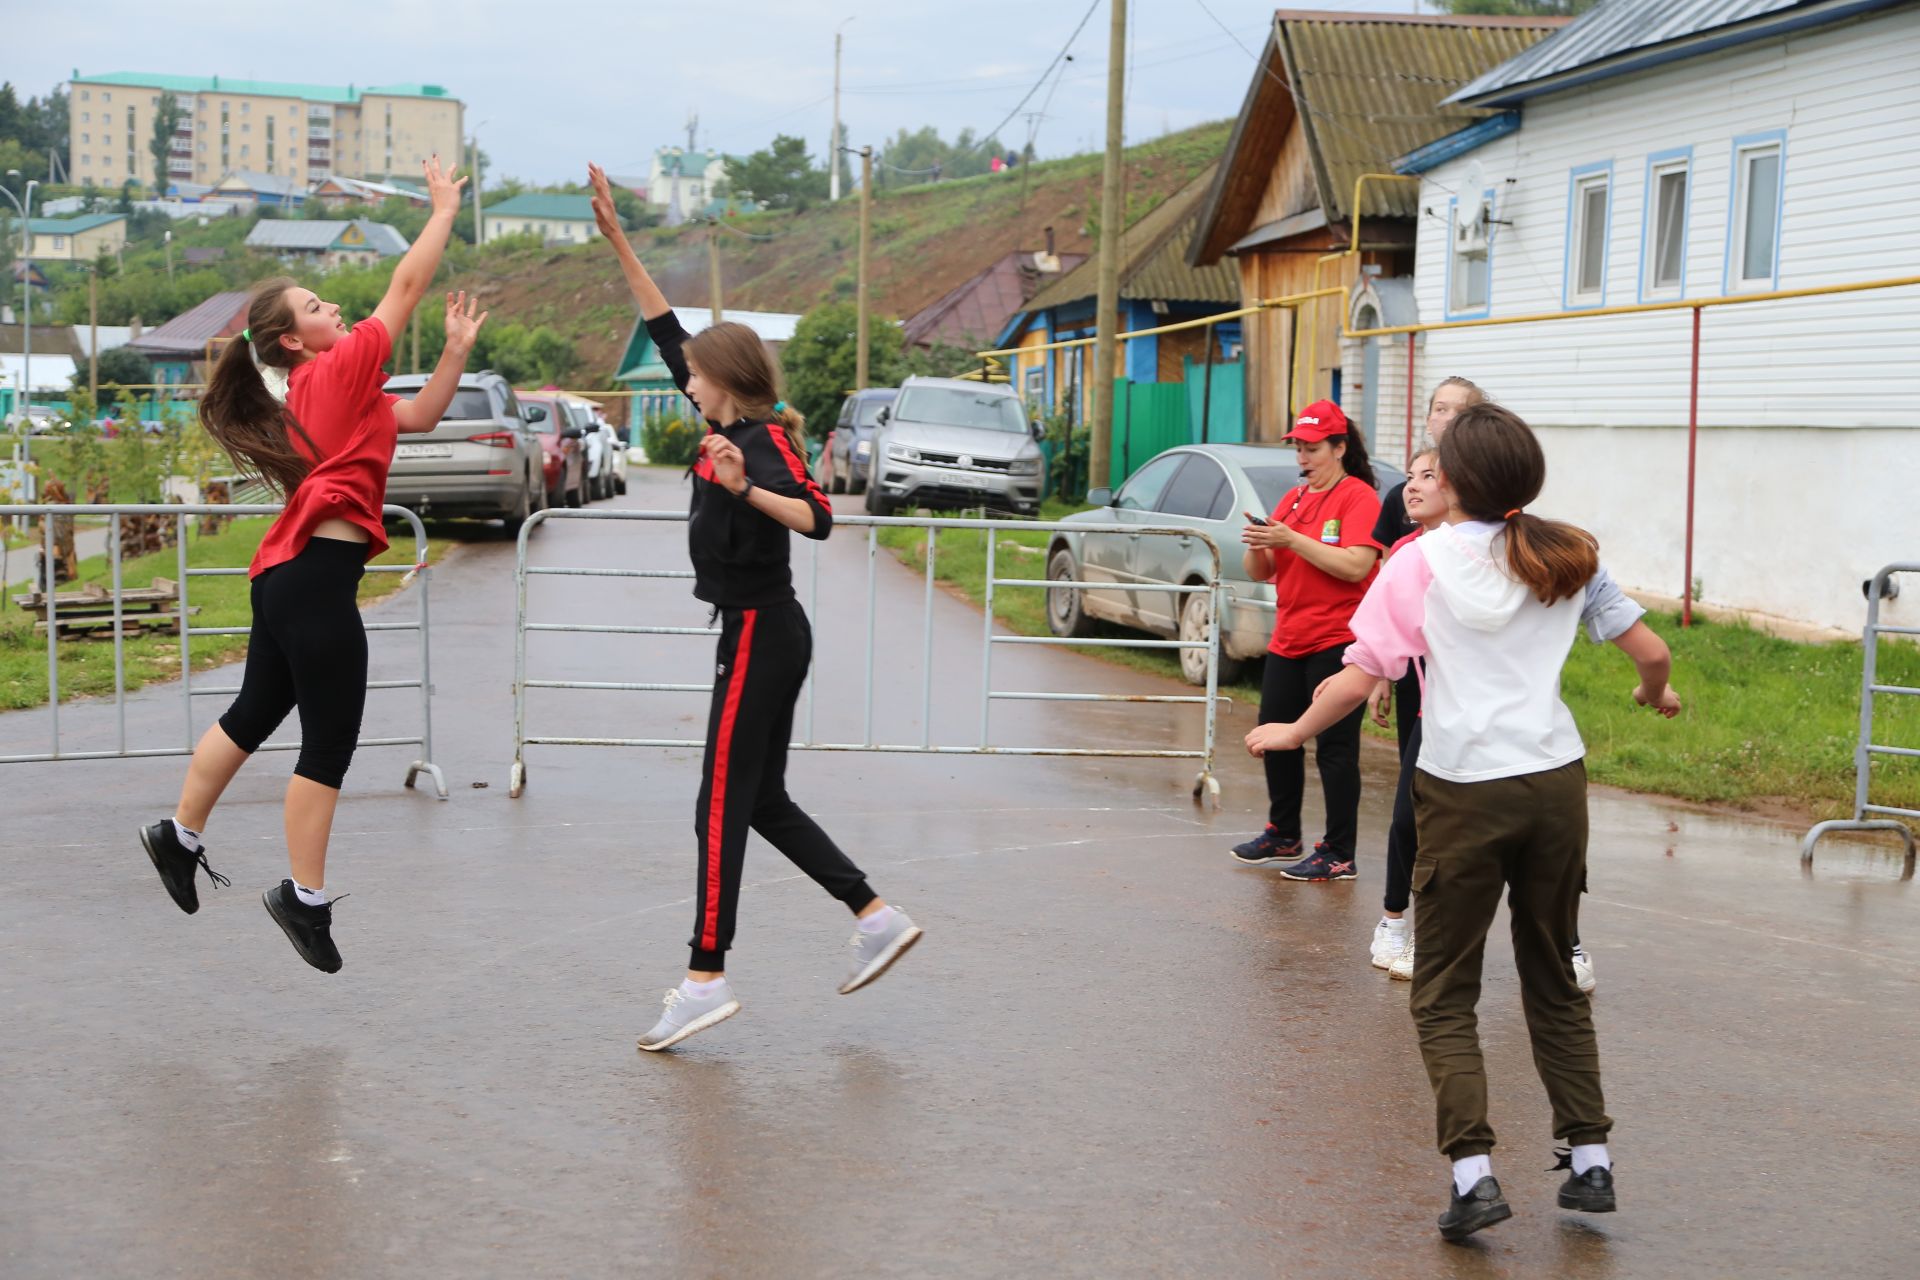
1469, 282
1589, 217
1663, 225
1754, 208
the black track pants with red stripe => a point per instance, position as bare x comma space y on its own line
762, 662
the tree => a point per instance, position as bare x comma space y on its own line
125, 203
821, 360
167, 115
923, 156
117, 365
1526, 8
781, 176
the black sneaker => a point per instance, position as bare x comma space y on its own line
1481, 1207
1589, 1192
1323, 864
309, 929
176, 864
1267, 847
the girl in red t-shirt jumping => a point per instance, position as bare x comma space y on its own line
296, 400
1318, 550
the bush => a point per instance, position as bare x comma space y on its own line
670, 439
1068, 446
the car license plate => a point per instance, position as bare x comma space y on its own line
970, 480
424, 451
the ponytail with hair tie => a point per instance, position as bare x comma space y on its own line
1511, 514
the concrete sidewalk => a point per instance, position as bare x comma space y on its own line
1115, 1054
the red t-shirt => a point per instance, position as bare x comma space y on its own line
336, 398
1312, 607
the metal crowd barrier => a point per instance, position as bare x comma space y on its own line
183, 615
1204, 785
1865, 748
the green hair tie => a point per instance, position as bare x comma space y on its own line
779, 406
247, 334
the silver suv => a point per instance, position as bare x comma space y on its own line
480, 460
946, 442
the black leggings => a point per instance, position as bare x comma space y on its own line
1402, 841
308, 650
761, 664
1286, 691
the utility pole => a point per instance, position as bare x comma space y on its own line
1106, 310
93, 332
713, 266
866, 231
168, 243
473, 167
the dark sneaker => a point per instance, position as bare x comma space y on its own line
1322, 864
1267, 847
176, 864
309, 929
1589, 1192
1481, 1207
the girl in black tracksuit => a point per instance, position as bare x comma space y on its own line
750, 488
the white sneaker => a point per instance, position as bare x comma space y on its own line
683, 1014
1583, 970
1401, 970
1388, 943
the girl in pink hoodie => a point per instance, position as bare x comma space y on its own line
1491, 600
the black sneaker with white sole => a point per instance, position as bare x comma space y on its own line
176, 864
309, 929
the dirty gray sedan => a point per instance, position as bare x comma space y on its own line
1208, 488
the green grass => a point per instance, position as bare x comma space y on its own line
86, 666
1769, 724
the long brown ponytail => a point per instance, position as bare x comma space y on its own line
735, 357
238, 411
1493, 463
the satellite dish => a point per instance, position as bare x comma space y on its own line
1466, 209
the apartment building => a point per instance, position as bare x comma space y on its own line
305, 132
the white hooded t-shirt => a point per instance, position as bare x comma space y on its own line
1490, 706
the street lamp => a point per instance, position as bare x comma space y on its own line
473, 171
26, 288
833, 142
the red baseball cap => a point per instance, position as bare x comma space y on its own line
1317, 421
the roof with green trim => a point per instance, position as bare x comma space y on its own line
75, 225
264, 88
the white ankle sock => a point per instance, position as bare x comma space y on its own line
1398, 926
189, 840
1588, 1155
1470, 1169
877, 921
309, 897
699, 990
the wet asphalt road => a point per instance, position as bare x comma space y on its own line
1114, 1054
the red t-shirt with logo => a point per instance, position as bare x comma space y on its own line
336, 398
1312, 607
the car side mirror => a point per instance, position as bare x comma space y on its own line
535, 413
1101, 496
885, 416
1039, 432
624, 435
572, 431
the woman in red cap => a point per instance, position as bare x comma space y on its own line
1318, 550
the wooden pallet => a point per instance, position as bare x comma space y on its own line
88, 612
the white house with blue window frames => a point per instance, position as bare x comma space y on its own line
1662, 150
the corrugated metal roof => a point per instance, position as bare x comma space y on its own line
1153, 259
980, 308
187, 333
257, 183
1373, 89
563, 208
318, 235
73, 226
261, 88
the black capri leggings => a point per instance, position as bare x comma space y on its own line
308, 650
1286, 691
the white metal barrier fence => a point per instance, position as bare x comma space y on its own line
182, 615
1865, 748
1205, 785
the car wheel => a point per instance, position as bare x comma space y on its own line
516, 519
1066, 611
1193, 630
620, 486
855, 483
877, 503
836, 478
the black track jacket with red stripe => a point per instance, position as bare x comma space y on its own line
740, 554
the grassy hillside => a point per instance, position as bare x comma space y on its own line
926, 240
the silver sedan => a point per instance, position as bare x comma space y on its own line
1208, 488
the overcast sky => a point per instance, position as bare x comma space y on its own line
552, 85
